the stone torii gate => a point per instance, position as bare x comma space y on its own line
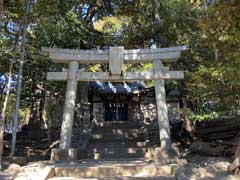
115, 57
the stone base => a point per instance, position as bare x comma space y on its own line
64, 154
166, 156
127, 169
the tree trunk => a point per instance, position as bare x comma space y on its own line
42, 102
215, 49
46, 120
161, 40
33, 122
1, 14
20, 72
4, 112
155, 6
187, 125
4, 109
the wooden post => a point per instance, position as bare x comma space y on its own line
162, 111
68, 114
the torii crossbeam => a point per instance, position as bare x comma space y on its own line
115, 57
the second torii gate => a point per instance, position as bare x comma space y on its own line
115, 57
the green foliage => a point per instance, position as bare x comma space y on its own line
53, 111
204, 116
217, 78
213, 36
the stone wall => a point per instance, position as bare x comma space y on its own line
148, 109
98, 112
134, 112
173, 111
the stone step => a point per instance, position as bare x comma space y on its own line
107, 135
116, 155
118, 131
109, 129
164, 177
107, 153
116, 140
118, 145
117, 125
115, 160
147, 153
118, 150
96, 169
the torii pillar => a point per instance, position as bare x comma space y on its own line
65, 152
68, 112
162, 111
165, 154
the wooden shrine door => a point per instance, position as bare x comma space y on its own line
116, 112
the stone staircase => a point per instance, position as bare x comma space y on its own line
111, 140
116, 151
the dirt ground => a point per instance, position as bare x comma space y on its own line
199, 167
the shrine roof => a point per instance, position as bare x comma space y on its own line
116, 88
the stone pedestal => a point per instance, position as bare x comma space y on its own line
166, 156
64, 154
